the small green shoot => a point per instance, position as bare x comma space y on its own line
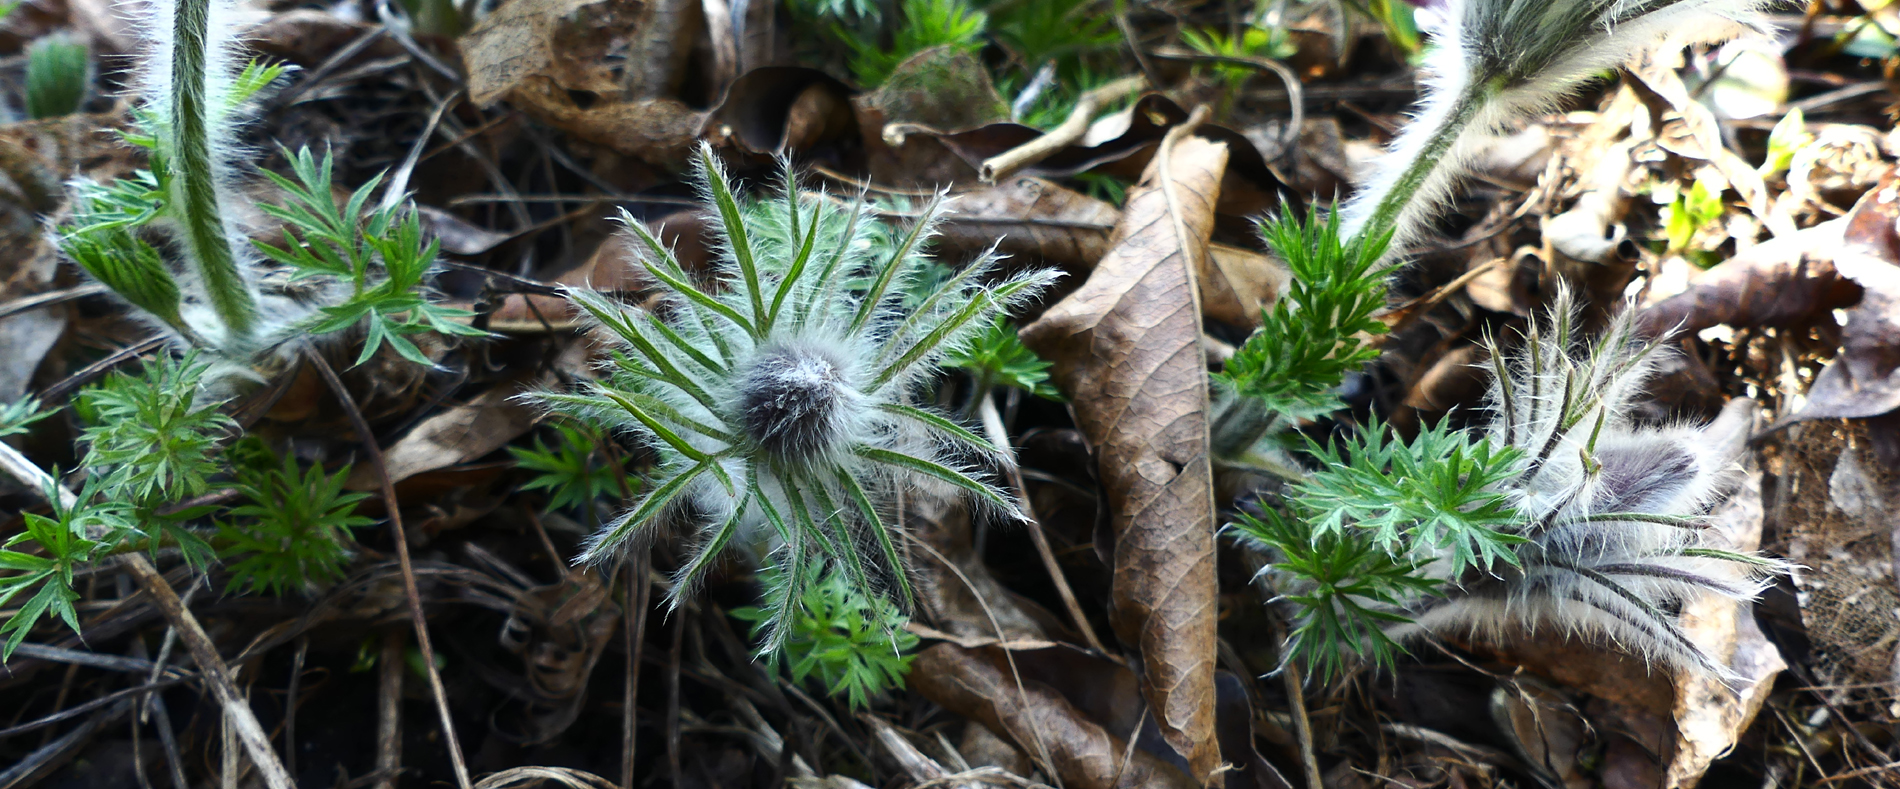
575, 472
1691, 211
58, 74
998, 357
927, 24
1789, 135
63, 546
293, 533
17, 416
1253, 42
1291, 367
855, 643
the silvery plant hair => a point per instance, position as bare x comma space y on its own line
1497, 62
1612, 511
776, 394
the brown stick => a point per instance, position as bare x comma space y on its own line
389, 711
410, 591
636, 626
213, 671
993, 428
1001, 165
211, 668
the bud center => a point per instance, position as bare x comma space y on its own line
792, 401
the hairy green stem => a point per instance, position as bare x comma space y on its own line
1239, 426
1433, 155
193, 183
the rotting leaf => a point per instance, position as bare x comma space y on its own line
978, 684
456, 435
1030, 217
1127, 347
1785, 281
524, 39
1864, 381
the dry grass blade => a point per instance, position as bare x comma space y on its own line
410, 591
1128, 345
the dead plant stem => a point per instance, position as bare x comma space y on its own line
999, 436
375, 454
1003, 164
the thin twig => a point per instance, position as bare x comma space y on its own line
1303, 726
389, 667
290, 702
993, 427
410, 591
49, 298
1291, 81
60, 391
1001, 165
1134, 45
211, 667
636, 627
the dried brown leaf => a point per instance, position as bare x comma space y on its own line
979, 684
564, 40
1127, 347
1864, 381
1785, 281
456, 435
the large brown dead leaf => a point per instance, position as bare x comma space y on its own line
1127, 347
564, 40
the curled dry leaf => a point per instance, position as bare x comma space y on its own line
1785, 281
456, 435
1127, 347
979, 684
1864, 381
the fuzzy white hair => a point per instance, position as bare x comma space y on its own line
776, 396
1611, 510
1497, 62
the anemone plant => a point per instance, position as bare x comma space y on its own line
1564, 515
775, 393
168, 242
1496, 62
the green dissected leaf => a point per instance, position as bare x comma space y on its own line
855, 643
63, 544
152, 441
1347, 589
1438, 492
293, 533
575, 472
998, 356
380, 253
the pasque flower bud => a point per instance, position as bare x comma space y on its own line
1496, 62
